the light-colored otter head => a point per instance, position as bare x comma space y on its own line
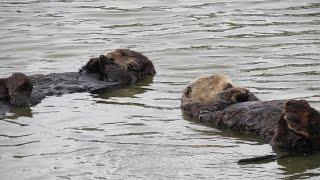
206, 88
301, 118
212, 93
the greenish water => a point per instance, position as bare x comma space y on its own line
272, 47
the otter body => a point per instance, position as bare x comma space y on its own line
288, 124
252, 117
118, 68
66, 83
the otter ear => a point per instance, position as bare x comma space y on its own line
19, 89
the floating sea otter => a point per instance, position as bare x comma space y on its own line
118, 68
290, 124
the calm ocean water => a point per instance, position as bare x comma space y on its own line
270, 46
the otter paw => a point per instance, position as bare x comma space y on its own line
101, 65
19, 89
303, 145
237, 94
92, 66
301, 118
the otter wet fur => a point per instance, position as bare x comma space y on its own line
16, 89
118, 68
286, 124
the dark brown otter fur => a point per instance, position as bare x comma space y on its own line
16, 89
116, 69
290, 124
121, 65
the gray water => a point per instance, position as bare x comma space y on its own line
269, 46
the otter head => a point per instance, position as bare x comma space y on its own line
129, 60
211, 93
205, 89
200, 95
18, 88
301, 118
121, 65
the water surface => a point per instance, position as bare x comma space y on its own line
269, 46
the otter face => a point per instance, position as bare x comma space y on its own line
126, 59
19, 88
301, 118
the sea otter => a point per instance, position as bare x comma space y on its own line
289, 124
118, 68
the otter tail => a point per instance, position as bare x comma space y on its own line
262, 159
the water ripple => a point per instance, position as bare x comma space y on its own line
20, 144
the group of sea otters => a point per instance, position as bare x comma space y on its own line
213, 100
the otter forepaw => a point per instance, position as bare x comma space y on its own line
303, 145
19, 89
238, 94
301, 118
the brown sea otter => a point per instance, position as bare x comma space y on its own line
290, 124
118, 68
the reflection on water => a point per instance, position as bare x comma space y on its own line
130, 91
300, 164
19, 112
272, 47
